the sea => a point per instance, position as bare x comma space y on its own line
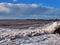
34, 35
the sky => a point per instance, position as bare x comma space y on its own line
29, 9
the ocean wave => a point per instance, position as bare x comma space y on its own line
30, 35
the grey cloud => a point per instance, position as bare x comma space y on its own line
26, 9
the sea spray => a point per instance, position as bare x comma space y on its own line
48, 28
34, 36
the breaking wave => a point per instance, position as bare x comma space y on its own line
31, 36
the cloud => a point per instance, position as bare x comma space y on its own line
27, 9
3, 8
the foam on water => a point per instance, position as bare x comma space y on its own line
32, 36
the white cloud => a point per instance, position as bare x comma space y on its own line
3, 8
27, 9
35, 5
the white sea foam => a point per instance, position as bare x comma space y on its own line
49, 28
7, 34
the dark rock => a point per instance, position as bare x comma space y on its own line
57, 30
